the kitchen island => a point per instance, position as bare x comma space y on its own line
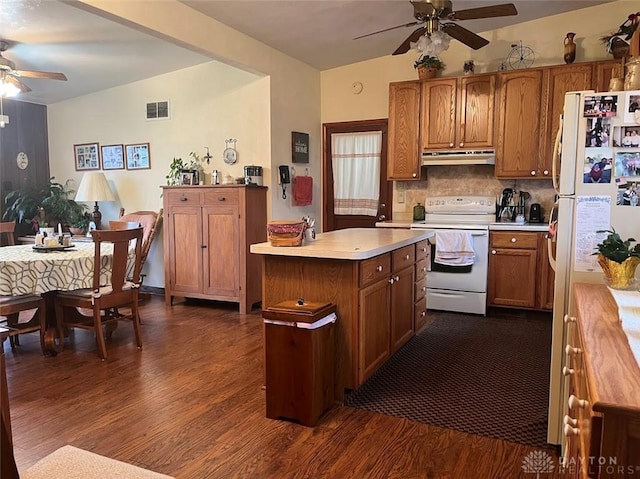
375, 277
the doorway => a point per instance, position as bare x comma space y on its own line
332, 220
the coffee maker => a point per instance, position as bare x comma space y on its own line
253, 175
535, 213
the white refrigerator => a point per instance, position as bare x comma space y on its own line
598, 163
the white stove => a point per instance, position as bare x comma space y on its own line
459, 289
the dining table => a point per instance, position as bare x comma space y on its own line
25, 269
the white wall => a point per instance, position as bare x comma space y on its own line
253, 93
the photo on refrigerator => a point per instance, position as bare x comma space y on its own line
597, 165
627, 164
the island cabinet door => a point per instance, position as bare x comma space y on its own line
402, 308
185, 252
373, 321
221, 250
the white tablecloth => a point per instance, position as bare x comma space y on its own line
25, 271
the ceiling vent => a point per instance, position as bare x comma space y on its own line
158, 110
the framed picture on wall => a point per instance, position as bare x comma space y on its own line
112, 157
299, 147
86, 156
138, 157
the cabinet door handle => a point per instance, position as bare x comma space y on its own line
493, 251
221, 198
569, 319
545, 172
461, 144
570, 421
571, 431
406, 257
378, 268
183, 198
423, 314
450, 145
571, 351
513, 240
391, 280
533, 173
575, 402
568, 371
414, 175
203, 246
424, 250
424, 289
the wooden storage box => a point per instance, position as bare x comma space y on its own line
299, 355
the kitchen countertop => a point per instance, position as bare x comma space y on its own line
516, 227
351, 244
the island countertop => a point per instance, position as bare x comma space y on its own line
350, 244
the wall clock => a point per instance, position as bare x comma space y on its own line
22, 160
230, 154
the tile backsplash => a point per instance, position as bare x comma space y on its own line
469, 180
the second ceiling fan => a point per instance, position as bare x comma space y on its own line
10, 75
434, 15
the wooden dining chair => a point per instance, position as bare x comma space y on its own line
7, 229
104, 300
12, 306
150, 222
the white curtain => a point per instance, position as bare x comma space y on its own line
356, 172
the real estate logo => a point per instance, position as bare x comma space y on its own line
538, 462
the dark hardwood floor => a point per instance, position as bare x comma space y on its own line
191, 405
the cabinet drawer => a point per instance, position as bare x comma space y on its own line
422, 267
514, 239
374, 269
221, 196
422, 249
420, 314
420, 289
183, 197
403, 257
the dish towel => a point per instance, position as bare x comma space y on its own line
454, 248
629, 312
302, 190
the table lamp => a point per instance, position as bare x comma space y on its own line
94, 187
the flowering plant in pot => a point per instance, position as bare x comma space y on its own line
428, 66
618, 259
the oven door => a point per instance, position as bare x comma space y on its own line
473, 281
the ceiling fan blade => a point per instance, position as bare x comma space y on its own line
45, 75
504, 10
463, 35
406, 45
13, 80
387, 29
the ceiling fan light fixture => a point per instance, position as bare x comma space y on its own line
8, 89
432, 44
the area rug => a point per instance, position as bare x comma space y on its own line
69, 462
480, 375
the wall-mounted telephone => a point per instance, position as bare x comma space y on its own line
284, 178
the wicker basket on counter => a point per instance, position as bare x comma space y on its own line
286, 232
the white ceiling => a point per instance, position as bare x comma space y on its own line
96, 53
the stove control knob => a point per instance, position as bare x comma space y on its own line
482, 202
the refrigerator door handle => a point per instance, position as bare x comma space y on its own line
551, 237
557, 152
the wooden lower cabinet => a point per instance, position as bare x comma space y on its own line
602, 420
207, 234
519, 271
423, 263
374, 299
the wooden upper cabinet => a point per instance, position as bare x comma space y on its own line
604, 71
519, 128
558, 81
403, 162
457, 113
476, 104
439, 114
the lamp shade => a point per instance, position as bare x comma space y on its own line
94, 187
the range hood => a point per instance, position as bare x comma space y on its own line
459, 157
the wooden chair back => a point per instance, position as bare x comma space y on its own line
150, 222
7, 230
121, 240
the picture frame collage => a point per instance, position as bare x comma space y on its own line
612, 150
93, 156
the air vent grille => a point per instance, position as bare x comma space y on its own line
158, 110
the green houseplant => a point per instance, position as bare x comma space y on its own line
43, 205
618, 259
428, 66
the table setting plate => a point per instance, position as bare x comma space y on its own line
48, 249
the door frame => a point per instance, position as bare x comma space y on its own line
328, 129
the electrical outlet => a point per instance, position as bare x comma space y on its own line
401, 197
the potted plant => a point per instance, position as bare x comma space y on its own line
42, 205
428, 66
80, 224
618, 259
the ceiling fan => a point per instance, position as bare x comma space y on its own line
9, 74
434, 15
